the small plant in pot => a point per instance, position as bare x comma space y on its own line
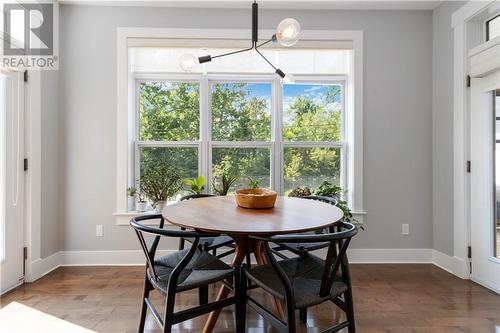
141, 202
225, 176
160, 182
253, 184
131, 196
334, 191
196, 185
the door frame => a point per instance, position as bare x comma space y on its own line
468, 31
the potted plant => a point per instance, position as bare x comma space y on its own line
253, 184
300, 192
160, 182
334, 191
131, 195
225, 176
196, 185
141, 202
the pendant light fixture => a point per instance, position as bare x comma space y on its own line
287, 34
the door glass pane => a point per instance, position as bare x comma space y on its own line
241, 111
312, 112
169, 111
493, 28
497, 175
311, 167
243, 163
3, 161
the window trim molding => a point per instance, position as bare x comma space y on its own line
125, 145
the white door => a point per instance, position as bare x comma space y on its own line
11, 180
485, 181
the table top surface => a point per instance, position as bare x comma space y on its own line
222, 215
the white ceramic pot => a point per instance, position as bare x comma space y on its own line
141, 206
159, 205
131, 204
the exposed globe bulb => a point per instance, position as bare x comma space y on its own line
288, 32
188, 62
288, 79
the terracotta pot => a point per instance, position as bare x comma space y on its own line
256, 198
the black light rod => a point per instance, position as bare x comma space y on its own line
255, 23
209, 58
270, 63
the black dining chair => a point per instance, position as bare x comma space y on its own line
209, 244
301, 248
306, 280
181, 271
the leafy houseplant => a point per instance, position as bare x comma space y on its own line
334, 191
300, 192
131, 194
159, 182
226, 181
327, 189
196, 185
226, 173
141, 201
253, 183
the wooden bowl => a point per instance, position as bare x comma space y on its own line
255, 198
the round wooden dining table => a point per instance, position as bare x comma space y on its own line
222, 215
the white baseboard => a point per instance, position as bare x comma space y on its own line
494, 287
390, 256
454, 265
40, 267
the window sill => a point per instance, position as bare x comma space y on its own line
123, 218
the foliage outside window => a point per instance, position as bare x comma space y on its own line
282, 136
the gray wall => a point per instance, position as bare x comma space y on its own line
397, 128
442, 127
51, 173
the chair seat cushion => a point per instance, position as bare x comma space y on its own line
300, 248
213, 242
303, 247
305, 274
202, 270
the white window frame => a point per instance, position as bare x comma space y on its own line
205, 144
126, 107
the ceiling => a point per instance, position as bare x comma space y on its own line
270, 4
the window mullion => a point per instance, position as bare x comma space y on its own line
203, 162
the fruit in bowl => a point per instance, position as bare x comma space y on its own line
255, 198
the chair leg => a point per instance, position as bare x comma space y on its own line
350, 311
241, 303
181, 244
290, 312
169, 311
144, 307
214, 252
303, 315
203, 295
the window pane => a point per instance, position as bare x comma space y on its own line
169, 111
312, 112
245, 163
183, 159
311, 166
241, 111
493, 28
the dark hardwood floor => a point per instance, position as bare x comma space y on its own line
388, 298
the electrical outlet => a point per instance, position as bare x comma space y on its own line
99, 230
405, 229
